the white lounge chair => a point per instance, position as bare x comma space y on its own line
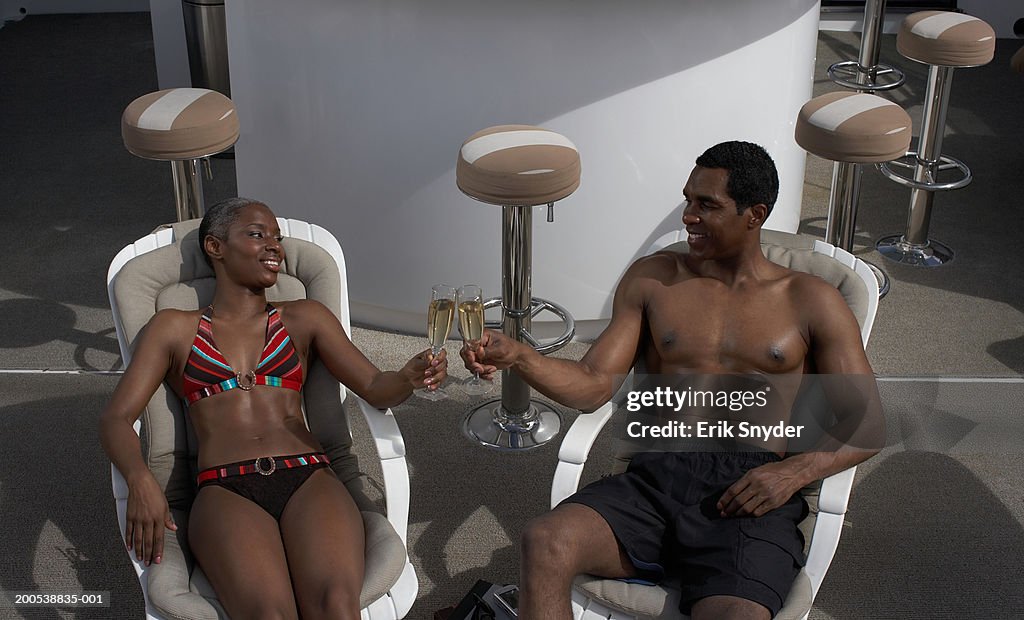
166, 269
594, 598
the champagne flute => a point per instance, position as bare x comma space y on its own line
471, 326
439, 324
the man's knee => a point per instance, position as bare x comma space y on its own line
728, 608
550, 540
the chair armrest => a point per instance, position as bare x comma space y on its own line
834, 496
391, 450
575, 448
386, 436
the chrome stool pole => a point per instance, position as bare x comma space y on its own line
188, 188
913, 247
862, 76
515, 421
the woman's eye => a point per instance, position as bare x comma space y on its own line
256, 234
279, 238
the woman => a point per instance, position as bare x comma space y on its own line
279, 545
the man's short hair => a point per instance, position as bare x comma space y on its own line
753, 178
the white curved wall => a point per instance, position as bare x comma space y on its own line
352, 114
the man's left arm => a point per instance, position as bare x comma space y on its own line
852, 393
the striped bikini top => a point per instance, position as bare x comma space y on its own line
208, 373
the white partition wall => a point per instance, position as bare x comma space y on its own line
353, 111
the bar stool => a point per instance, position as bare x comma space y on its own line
518, 167
183, 126
944, 41
850, 129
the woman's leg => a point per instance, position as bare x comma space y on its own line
238, 545
323, 535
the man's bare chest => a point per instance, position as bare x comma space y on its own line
711, 328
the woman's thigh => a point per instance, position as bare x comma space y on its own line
323, 535
239, 547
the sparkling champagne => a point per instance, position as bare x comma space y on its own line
439, 321
471, 320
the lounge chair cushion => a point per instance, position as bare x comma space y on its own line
176, 276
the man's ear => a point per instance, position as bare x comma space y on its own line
757, 214
213, 246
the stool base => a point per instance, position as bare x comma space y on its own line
881, 277
931, 254
489, 425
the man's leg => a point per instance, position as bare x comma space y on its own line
557, 546
728, 608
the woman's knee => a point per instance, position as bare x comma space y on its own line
333, 600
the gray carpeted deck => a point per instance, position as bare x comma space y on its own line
936, 525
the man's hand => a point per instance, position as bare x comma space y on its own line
493, 352
760, 490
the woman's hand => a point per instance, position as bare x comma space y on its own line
427, 370
147, 516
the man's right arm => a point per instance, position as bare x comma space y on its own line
590, 382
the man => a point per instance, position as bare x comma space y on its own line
724, 521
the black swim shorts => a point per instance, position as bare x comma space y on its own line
663, 512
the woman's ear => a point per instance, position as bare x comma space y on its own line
213, 246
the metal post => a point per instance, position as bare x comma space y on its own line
515, 422
516, 292
842, 215
867, 61
188, 189
933, 125
913, 246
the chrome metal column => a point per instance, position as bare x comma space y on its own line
514, 422
188, 189
846, 176
864, 73
913, 246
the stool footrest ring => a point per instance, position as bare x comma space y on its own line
537, 305
910, 162
846, 73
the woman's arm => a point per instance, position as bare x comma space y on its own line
349, 366
148, 512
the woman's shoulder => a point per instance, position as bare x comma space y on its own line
175, 318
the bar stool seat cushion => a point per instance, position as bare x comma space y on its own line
946, 39
179, 123
853, 127
518, 165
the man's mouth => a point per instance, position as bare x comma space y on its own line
694, 236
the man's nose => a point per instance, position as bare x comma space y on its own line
689, 218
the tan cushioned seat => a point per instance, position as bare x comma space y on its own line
518, 165
179, 123
1017, 62
853, 127
946, 39
176, 276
